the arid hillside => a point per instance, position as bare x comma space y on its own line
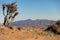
30, 22
27, 33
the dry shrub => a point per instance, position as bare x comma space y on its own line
11, 28
18, 28
55, 28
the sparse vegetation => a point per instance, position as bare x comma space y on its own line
10, 27
28, 33
58, 22
55, 28
18, 28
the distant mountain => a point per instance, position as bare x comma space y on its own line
30, 22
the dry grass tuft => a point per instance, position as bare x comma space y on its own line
26, 33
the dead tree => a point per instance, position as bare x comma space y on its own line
11, 13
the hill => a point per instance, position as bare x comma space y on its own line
30, 22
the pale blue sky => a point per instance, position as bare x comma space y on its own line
35, 9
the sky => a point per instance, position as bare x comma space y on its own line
34, 9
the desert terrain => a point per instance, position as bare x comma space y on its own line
30, 33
